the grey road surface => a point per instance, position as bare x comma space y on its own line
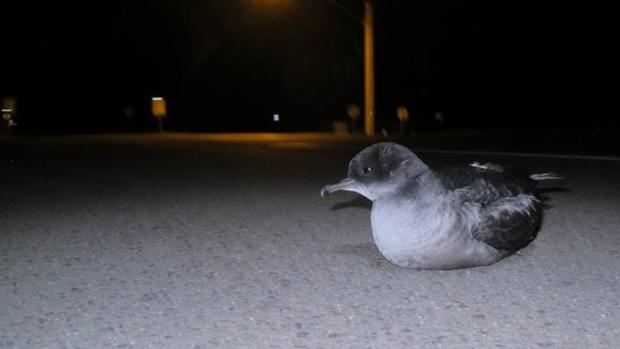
142, 241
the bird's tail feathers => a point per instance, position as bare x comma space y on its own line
544, 176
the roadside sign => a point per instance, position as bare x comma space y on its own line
158, 107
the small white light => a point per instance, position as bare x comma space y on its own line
157, 98
276, 117
7, 110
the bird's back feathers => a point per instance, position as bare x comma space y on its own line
510, 212
484, 184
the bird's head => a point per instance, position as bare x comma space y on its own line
378, 170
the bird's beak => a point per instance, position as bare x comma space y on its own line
347, 184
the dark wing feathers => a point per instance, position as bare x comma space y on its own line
507, 183
510, 212
509, 229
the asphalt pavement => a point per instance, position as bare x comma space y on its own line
198, 241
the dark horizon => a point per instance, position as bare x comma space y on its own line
228, 66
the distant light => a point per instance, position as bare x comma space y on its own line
353, 111
158, 98
439, 117
402, 113
276, 117
7, 110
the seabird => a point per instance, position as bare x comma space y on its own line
458, 217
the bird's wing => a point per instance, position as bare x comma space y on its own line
509, 210
509, 223
484, 183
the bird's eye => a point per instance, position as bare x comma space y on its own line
366, 170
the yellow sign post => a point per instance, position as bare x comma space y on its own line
158, 108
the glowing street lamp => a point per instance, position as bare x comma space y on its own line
272, 2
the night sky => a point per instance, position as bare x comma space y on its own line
228, 65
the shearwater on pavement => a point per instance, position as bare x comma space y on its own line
458, 217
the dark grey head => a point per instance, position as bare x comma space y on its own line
378, 170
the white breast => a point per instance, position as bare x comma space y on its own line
427, 233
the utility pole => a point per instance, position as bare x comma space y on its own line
369, 64
369, 70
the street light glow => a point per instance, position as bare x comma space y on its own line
272, 3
